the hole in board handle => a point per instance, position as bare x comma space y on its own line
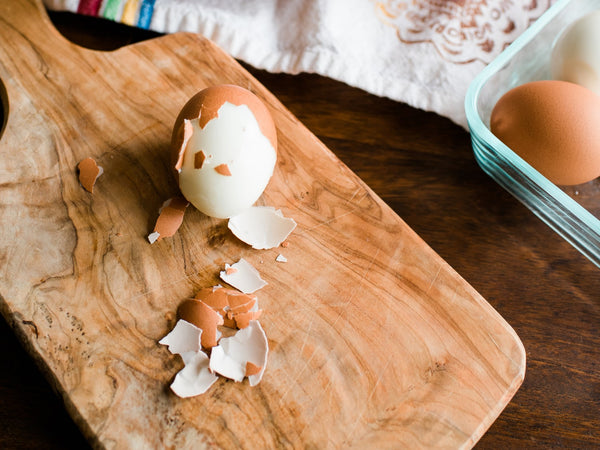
97, 33
3, 108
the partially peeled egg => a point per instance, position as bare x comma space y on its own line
224, 150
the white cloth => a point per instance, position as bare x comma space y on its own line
420, 52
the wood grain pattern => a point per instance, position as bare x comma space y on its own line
375, 340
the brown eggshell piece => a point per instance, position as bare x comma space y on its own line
252, 369
199, 158
170, 217
232, 305
89, 172
204, 317
205, 105
223, 169
215, 297
241, 303
183, 136
554, 126
242, 320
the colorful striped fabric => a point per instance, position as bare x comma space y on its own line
136, 13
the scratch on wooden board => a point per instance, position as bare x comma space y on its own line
354, 194
310, 417
304, 367
435, 278
310, 324
333, 219
354, 291
296, 378
307, 334
162, 287
509, 357
359, 418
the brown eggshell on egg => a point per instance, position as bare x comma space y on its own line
554, 126
204, 317
206, 103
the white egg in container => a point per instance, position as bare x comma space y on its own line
576, 53
224, 150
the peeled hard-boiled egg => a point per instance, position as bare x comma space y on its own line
576, 54
554, 126
224, 149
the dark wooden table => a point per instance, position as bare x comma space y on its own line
422, 165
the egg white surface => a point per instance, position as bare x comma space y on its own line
576, 54
232, 138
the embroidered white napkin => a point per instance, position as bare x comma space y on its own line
421, 52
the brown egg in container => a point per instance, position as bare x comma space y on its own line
554, 126
538, 137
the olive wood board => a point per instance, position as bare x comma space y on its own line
375, 341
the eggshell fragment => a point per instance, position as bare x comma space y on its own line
170, 218
252, 369
554, 126
204, 317
231, 357
243, 319
195, 378
241, 303
223, 169
236, 133
225, 365
246, 278
89, 172
199, 159
184, 135
236, 308
185, 337
215, 297
262, 227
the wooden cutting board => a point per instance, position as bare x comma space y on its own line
375, 342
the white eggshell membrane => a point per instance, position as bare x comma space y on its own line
576, 54
185, 337
230, 357
243, 276
262, 227
234, 139
195, 378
